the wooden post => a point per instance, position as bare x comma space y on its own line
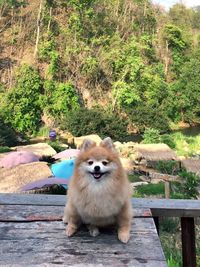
167, 189
188, 242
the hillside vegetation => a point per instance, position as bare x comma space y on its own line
126, 61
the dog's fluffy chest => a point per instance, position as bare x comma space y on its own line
98, 206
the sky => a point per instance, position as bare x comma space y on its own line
168, 3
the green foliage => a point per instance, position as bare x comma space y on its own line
45, 49
43, 132
22, 104
187, 189
151, 189
60, 99
4, 149
144, 116
95, 121
134, 178
57, 145
167, 166
168, 140
184, 145
174, 36
151, 136
173, 263
169, 225
127, 53
7, 135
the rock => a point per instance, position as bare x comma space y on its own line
145, 178
127, 164
12, 179
138, 183
40, 149
118, 145
66, 136
126, 150
79, 140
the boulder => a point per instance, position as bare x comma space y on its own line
11, 180
40, 149
79, 140
127, 164
138, 183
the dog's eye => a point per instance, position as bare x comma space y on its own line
90, 162
105, 162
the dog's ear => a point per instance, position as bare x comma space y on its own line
108, 143
87, 143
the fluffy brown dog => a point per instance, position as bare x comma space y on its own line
99, 191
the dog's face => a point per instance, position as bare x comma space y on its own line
98, 162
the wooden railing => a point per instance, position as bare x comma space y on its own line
186, 210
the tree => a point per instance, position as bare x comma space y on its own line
175, 43
184, 94
181, 16
22, 104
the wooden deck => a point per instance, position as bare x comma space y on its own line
33, 234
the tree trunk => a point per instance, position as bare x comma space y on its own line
167, 59
49, 22
38, 28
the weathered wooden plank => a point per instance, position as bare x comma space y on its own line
160, 207
169, 207
32, 199
40, 243
45, 213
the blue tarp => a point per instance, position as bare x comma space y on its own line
63, 169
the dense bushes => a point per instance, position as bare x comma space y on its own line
84, 121
7, 135
59, 99
22, 104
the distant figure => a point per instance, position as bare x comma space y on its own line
52, 135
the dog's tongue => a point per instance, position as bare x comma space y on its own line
97, 175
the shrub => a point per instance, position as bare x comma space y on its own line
22, 105
144, 116
4, 149
7, 135
167, 166
60, 99
187, 189
151, 136
57, 145
168, 140
95, 121
169, 225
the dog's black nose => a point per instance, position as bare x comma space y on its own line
96, 168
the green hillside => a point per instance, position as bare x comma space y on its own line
128, 59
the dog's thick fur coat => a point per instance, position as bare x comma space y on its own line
99, 192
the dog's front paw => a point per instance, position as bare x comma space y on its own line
94, 231
64, 219
124, 237
70, 230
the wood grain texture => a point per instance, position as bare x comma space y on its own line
40, 243
33, 234
30, 213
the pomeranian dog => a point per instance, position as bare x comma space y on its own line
99, 193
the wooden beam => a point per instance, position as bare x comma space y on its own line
188, 242
159, 207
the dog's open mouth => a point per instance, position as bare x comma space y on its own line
97, 175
